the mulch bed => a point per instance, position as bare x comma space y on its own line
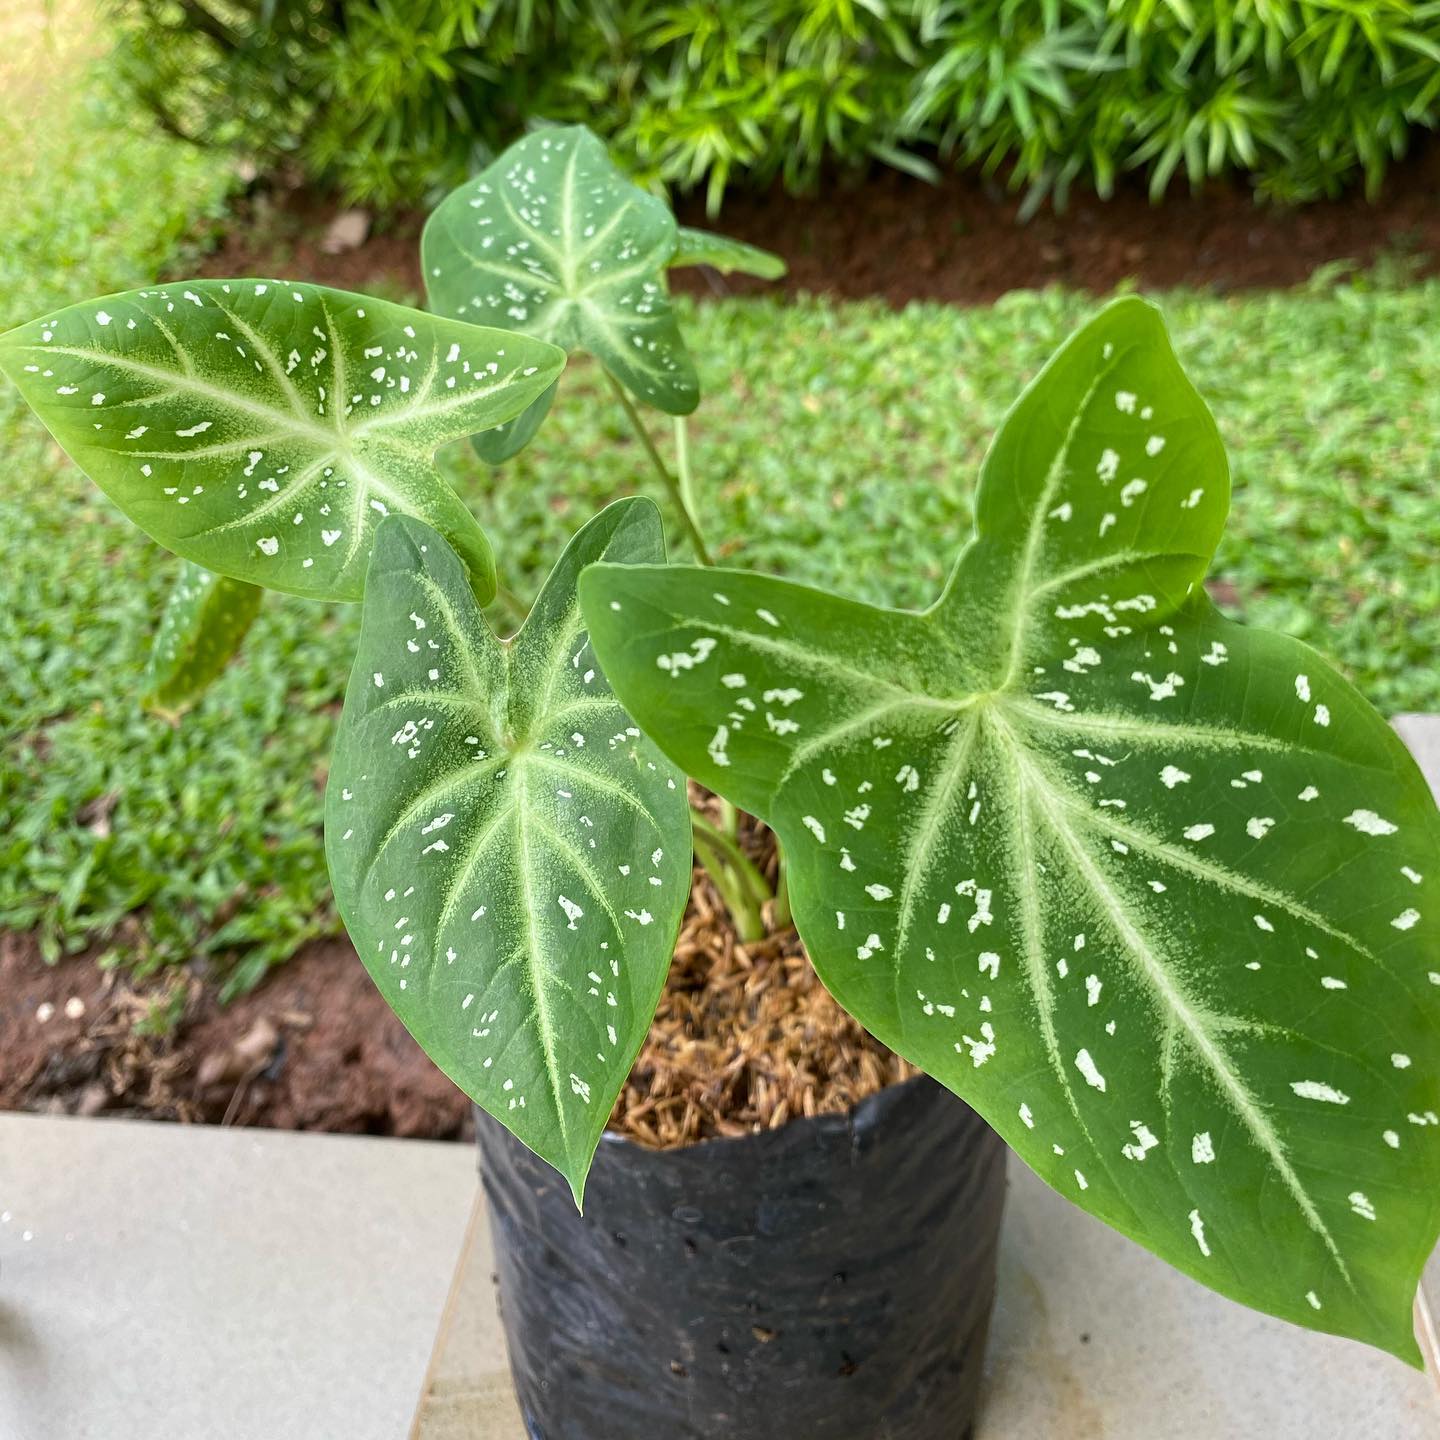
896, 238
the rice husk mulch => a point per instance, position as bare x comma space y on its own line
745, 1037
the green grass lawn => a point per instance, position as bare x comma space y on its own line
835, 444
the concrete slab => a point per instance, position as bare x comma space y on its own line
160, 1282
1421, 734
467, 1393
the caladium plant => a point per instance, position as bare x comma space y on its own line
1157, 894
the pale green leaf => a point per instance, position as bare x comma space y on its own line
510, 855
205, 619
262, 428
553, 241
700, 247
1158, 894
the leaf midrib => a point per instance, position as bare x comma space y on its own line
183, 380
544, 1022
1169, 993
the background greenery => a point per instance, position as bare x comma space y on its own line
836, 443
393, 98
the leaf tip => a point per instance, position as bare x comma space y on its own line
576, 1180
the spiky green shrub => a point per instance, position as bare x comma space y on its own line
392, 100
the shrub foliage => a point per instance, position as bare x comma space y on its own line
394, 99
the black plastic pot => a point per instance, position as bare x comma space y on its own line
830, 1280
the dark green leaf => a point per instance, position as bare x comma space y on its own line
506, 441
510, 855
205, 619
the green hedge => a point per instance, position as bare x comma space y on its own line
394, 99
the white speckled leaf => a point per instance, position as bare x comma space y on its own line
553, 241
701, 247
511, 856
1158, 894
205, 620
262, 428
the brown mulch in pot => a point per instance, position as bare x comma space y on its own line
745, 1037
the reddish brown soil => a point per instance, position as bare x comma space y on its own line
900, 239
312, 1048
745, 1038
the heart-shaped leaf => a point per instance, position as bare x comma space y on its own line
205, 619
262, 428
511, 856
697, 247
553, 241
1158, 894
700, 247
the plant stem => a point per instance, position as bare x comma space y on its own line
677, 494
744, 912
682, 464
781, 910
512, 602
757, 884
729, 818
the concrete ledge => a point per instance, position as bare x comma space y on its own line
160, 1282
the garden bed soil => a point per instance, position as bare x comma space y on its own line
745, 1038
899, 239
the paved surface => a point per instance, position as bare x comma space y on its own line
1421, 734
160, 1282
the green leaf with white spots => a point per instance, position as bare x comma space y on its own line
510, 855
1158, 894
553, 241
700, 247
205, 620
263, 428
